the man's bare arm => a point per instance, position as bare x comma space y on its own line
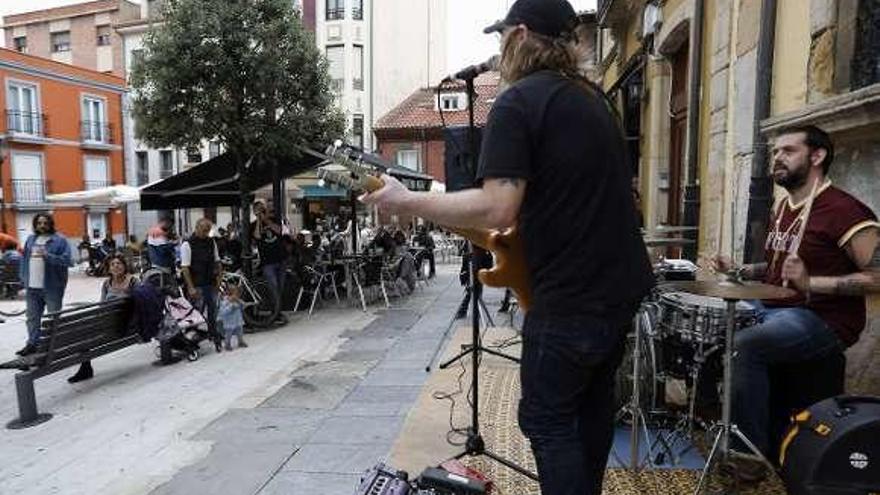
495, 205
864, 250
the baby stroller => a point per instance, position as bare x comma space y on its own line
175, 324
182, 329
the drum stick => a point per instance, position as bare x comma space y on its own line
796, 243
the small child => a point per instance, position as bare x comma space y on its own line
229, 315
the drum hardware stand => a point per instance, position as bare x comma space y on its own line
634, 408
726, 427
684, 428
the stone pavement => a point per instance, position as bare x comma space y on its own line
305, 409
335, 418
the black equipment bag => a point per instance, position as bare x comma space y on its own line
833, 448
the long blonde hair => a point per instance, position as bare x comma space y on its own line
531, 52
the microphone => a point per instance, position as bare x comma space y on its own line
472, 71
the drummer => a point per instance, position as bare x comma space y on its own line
836, 264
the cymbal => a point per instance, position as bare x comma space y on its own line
668, 241
732, 290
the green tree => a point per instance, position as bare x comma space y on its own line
246, 72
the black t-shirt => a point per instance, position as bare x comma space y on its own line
578, 222
269, 245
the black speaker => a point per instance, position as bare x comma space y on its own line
833, 448
460, 172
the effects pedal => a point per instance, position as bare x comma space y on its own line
438, 481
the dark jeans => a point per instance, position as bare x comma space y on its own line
206, 303
37, 301
784, 335
274, 273
567, 408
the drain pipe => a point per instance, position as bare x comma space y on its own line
761, 185
692, 189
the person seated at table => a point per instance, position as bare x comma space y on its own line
383, 240
133, 245
303, 250
400, 245
108, 245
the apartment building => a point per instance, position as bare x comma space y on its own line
62, 130
143, 164
79, 34
379, 53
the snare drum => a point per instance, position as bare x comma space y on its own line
700, 319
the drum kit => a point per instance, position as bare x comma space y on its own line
684, 332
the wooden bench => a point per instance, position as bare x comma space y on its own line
69, 337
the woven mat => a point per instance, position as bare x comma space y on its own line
499, 396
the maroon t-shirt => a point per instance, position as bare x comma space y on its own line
835, 217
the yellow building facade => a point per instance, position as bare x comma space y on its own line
703, 87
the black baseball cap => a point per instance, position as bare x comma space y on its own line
548, 17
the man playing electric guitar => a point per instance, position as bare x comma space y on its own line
553, 164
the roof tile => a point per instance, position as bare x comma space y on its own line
418, 111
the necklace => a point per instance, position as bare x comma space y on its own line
798, 220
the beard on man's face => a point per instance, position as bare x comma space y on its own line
791, 176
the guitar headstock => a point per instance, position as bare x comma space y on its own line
357, 176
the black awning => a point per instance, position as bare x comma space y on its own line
216, 182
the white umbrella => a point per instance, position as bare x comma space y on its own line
111, 195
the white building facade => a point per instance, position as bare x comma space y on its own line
379, 51
143, 164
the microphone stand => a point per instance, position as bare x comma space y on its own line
475, 445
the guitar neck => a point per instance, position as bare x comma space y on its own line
370, 183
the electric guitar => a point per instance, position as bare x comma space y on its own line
510, 262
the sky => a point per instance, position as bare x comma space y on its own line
466, 43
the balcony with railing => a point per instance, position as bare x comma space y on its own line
29, 191
357, 13
358, 83
96, 134
335, 14
26, 126
96, 184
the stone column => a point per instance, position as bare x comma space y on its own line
823, 33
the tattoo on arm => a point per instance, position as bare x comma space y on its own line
849, 287
509, 182
858, 284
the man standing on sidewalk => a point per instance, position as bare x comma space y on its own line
267, 232
43, 273
200, 264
